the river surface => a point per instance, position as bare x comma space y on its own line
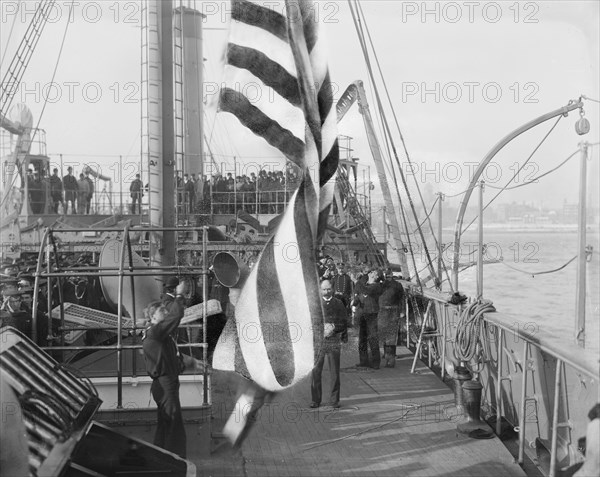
518, 285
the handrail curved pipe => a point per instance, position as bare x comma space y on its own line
120, 318
565, 110
36, 285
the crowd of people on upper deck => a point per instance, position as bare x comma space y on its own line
266, 192
46, 194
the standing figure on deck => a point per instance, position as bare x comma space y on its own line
163, 365
388, 319
70, 186
335, 320
56, 192
36, 193
90, 195
367, 291
189, 189
83, 191
136, 193
342, 285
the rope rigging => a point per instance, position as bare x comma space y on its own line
428, 214
405, 152
535, 179
468, 343
362, 40
533, 274
590, 99
35, 130
515, 174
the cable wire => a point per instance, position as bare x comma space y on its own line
533, 274
536, 178
10, 35
515, 174
402, 141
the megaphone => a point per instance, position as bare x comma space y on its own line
231, 272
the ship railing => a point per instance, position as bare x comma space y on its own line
48, 254
103, 202
497, 328
37, 147
252, 202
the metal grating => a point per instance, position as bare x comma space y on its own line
90, 318
55, 403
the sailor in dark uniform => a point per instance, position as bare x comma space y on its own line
163, 364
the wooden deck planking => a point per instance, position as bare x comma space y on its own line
391, 423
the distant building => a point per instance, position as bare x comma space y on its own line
569, 213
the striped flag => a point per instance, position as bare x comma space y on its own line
278, 326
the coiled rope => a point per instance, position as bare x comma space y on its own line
467, 340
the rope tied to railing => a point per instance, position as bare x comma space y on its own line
467, 340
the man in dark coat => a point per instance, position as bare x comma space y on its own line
335, 320
163, 365
367, 291
388, 319
189, 189
135, 190
56, 192
342, 285
71, 188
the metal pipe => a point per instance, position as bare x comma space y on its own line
557, 375
523, 410
444, 314
499, 406
440, 243
480, 244
486, 160
131, 228
120, 321
205, 312
112, 348
121, 183
420, 342
234, 187
36, 286
407, 308
581, 257
125, 273
113, 328
132, 284
59, 288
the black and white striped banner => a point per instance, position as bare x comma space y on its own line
278, 324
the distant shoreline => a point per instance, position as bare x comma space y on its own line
535, 228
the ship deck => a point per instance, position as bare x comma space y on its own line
391, 423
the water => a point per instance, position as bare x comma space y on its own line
545, 299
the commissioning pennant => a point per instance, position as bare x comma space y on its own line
281, 51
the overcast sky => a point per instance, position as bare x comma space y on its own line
461, 75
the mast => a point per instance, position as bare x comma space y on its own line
151, 114
189, 65
168, 132
356, 92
